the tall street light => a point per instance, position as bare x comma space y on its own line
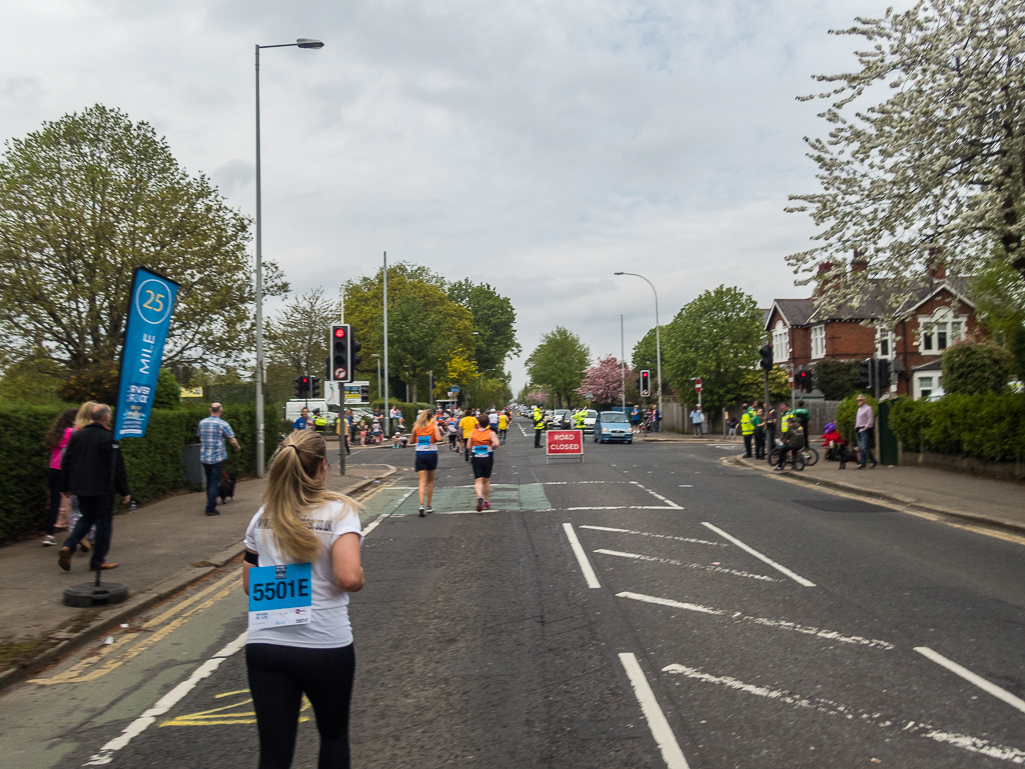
302, 42
658, 342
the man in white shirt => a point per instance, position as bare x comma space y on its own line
864, 424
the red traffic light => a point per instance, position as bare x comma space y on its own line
340, 332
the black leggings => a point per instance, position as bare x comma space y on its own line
278, 677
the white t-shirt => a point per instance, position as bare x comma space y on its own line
329, 626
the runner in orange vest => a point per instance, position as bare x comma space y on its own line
425, 437
482, 443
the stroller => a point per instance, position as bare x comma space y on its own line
832, 442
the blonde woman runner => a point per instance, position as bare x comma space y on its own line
304, 542
425, 438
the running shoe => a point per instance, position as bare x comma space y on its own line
64, 558
422, 513
48, 541
487, 505
480, 504
430, 509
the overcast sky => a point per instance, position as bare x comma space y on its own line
537, 146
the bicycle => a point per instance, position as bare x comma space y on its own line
795, 458
810, 455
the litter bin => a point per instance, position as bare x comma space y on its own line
194, 474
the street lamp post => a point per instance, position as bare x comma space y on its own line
375, 355
658, 342
302, 42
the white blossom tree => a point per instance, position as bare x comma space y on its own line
938, 164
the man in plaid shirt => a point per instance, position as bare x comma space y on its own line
212, 453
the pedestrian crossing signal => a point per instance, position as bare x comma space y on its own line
645, 383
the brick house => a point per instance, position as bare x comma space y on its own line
938, 313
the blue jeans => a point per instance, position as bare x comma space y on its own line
865, 447
99, 511
213, 484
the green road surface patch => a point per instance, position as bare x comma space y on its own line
504, 496
13, 654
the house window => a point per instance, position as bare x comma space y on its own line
780, 342
884, 345
926, 384
939, 330
818, 341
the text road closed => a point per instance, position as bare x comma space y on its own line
565, 442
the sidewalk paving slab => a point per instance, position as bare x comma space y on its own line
161, 549
988, 501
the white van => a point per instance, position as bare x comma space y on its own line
294, 407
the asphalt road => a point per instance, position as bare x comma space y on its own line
650, 607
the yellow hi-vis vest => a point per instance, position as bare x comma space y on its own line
746, 425
578, 419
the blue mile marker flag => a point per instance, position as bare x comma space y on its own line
149, 317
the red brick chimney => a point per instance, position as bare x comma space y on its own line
936, 266
824, 269
858, 263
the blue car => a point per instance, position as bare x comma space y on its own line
612, 426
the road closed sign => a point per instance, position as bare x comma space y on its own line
564, 443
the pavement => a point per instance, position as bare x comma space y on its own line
160, 549
987, 501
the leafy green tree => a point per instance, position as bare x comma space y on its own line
752, 385
926, 149
85, 200
31, 381
837, 379
297, 335
168, 394
557, 364
974, 367
494, 322
645, 356
426, 329
715, 337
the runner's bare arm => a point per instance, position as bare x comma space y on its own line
345, 563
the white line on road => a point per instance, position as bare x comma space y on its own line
963, 741
699, 566
164, 704
968, 675
656, 495
780, 624
782, 569
657, 536
669, 602
585, 566
626, 507
657, 723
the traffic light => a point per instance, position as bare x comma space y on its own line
314, 386
645, 383
354, 357
302, 386
865, 373
805, 381
883, 372
341, 337
766, 353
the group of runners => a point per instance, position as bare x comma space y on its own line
475, 434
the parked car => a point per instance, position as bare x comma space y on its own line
562, 419
589, 420
613, 426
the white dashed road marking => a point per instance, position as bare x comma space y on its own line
585, 566
968, 675
699, 566
963, 741
657, 723
779, 624
778, 567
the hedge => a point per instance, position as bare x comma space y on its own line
154, 463
986, 427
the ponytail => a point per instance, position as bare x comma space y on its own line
294, 488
